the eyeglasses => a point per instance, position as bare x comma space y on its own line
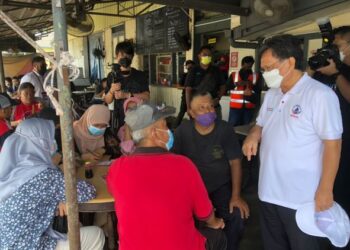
272, 66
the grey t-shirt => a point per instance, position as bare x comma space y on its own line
211, 153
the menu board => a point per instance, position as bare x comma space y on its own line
155, 30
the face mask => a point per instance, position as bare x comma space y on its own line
42, 70
169, 144
206, 120
206, 60
53, 148
342, 54
96, 131
273, 78
125, 62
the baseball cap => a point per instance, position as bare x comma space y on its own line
146, 114
332, 223
6, 101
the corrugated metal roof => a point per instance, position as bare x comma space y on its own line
34, 18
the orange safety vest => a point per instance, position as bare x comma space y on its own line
237, 100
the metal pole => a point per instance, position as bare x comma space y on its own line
2, 74
61, 44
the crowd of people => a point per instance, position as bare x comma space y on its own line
181, 189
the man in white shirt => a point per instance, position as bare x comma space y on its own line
299, 127
35, 77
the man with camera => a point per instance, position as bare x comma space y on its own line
124, 82
337, 75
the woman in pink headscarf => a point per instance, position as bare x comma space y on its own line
89, 132
127, 145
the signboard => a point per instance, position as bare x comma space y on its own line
234, 59
155, 30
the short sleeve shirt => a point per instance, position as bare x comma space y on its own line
294, 126
5, 131
210, 153
23, 111
157, 195
37, 81
196, 76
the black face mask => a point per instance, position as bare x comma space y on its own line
42, 70
125, 62
244, 74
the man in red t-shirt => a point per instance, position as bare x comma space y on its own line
6, 104
158, 194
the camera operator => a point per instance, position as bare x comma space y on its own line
124, 82
337, 75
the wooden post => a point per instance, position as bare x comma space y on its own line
61, 44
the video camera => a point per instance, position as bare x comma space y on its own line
114, 76
329, 50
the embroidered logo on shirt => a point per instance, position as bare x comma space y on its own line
296, 110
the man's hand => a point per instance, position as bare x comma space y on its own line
323, 200
216, 223
247, 92
56, 159
90, 157
330, 69
241, 205
250, 146
115, 87
61, 209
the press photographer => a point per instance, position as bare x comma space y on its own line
124, 82
335, 72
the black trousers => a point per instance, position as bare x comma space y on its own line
281, 232
216, 238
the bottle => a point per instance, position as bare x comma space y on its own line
88, 171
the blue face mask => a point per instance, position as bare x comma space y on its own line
54, 148
96, 131
169, 144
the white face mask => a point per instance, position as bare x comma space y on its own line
185, 69
341, 56
273, 78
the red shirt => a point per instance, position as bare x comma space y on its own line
157, 194
23, 111
4, 127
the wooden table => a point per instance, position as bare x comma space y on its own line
103, 202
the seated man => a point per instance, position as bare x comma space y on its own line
158, 194
213, 147
6, 104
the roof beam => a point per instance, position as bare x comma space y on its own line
27, 5
109, 14
208, 5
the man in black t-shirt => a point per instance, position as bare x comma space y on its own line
213, 147
337, 76
206, 78
124, 82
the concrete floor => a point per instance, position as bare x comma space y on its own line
251, 238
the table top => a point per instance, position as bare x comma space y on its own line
104, 202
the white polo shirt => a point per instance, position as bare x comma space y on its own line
293, 127
36, 80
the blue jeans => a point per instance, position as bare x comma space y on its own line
239, 117
233, 221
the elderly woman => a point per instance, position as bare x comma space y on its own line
32, 189
89, 132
